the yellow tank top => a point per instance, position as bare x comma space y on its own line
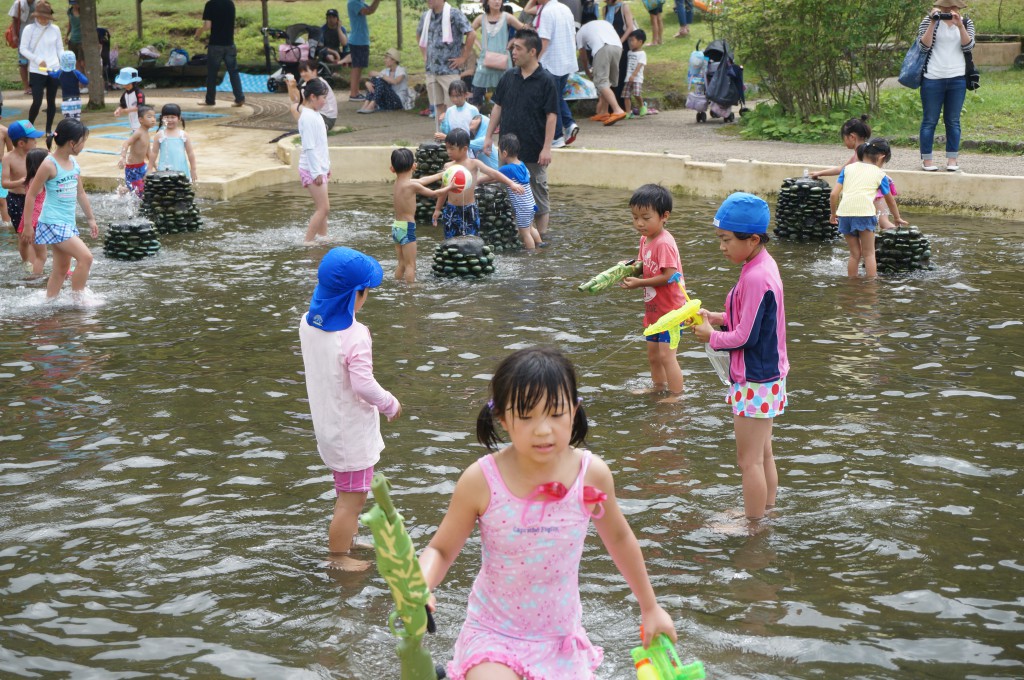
860, 184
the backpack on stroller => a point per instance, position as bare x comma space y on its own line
301, 43
723, 83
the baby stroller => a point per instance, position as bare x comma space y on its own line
301, 43
723, 83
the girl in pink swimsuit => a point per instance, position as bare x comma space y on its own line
534, 500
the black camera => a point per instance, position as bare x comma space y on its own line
939, 16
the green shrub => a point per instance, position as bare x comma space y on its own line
816, 58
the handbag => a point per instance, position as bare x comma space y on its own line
971, 73
12, 40
912, 69
496, 60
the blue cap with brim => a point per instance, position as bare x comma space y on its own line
343, 272
22, 129
744, 213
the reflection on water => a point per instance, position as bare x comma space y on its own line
163, 510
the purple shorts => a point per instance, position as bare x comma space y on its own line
353, 481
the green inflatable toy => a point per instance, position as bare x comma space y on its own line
397, 563
611, 276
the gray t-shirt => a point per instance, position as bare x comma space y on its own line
438, 52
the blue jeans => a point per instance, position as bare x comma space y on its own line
684, 11
946, 95
214, 55
564, 118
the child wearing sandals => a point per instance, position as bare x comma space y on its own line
533, 501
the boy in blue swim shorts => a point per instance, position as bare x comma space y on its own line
460, 215
403, 229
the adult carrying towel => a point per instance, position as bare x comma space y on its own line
446, 26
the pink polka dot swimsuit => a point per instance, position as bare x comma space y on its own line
524, 609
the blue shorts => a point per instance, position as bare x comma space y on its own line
403, 233
460, 220
661, 337
849, 226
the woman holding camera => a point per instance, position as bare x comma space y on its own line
945, 35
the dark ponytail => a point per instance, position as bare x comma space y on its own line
70, 130
856, 126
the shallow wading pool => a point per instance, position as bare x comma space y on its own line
163, 511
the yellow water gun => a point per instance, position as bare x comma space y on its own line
686, 316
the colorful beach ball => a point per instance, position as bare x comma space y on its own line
458, 177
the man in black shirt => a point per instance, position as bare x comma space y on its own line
335, 39
526, 104
219, 20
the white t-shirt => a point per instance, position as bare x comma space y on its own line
401, 88
596, 34
634, 59
330, 108
24, 8
314, 158
556, 24
947, 57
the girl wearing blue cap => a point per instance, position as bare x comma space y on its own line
345, 399
753, 331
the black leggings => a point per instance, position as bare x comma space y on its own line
39, 83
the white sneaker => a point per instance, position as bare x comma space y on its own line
952, 167
558, 143
570, 134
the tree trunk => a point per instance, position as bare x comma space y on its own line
91, 49
138, 18
398, 16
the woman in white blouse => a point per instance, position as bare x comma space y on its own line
41, 44
946, 36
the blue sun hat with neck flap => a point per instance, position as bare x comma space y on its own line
342, 273
743, 213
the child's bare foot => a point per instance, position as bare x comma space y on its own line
656, 388
673, 398
343, 562
362, 544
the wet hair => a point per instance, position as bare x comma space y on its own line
856, 126
523, 380
874, 149
33, 161
70, 130
313, 88
458, 87
144, 109
639, 35
652, 196
509, 143
402, 160
743, 236
458, 138
531, 41
171, 110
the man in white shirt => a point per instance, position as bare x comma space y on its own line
600, 50
556, 27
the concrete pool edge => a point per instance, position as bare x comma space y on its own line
997, 196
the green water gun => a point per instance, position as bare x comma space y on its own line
397, 563
660, 662
611, 276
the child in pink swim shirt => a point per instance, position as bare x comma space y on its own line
345, 399
534, 500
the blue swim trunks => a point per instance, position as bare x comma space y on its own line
849, 226
135, 178
460, 220
661, 337
403, 233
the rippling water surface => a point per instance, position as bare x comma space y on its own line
163, 510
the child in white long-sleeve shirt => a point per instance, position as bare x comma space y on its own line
345, 399
314, 160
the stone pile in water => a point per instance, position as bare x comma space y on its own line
130, 241
902, 250
466, 257
169, 200
803, 210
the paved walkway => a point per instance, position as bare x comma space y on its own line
225, 148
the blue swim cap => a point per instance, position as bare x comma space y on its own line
744, 213
343, 272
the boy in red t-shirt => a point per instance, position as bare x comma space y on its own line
651, 205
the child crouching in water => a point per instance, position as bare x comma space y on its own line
858, 184
662, 281
523, 204
56, 225
534, 497
403, 229
460, 215
753, 331
345, 399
